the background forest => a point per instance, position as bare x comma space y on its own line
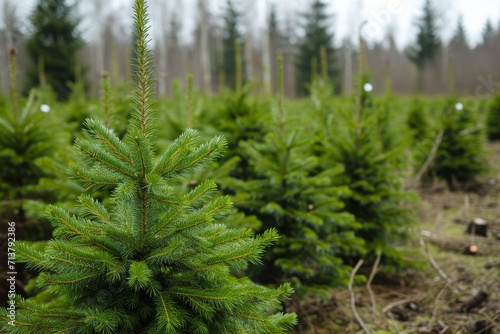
203, 44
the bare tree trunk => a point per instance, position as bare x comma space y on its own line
217, 50
248, 40
204, 50
7, 10
266, 59
4, 78
274, 47
100, 38
163, 52
289, 51
176, 50
115, 65
6, 40
348, 68
98, 50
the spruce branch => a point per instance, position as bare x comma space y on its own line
95, 209
189, 102
177, 151
34, 259
94, 179
109, 140
143, 96
106, 99
96, 154
281, 107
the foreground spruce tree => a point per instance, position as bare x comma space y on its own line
157, 262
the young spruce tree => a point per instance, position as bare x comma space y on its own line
53, 47
156, 262
376, 197
28, 143
461, 156
288, 191
25, 137
242, 120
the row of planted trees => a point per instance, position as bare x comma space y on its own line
144, 242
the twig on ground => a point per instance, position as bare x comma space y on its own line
370, 279
353, 297
438, 297
436, 266
390, 306
444, 330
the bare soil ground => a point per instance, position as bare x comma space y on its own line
454, 293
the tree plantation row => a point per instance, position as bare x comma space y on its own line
332, 176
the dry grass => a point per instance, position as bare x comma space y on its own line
431, 300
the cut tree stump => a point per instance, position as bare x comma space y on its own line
478, 226
471, 250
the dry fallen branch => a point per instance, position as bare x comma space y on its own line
353, 298
370, 279
433, 262
438, 297
392, 305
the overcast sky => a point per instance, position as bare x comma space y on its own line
348, 15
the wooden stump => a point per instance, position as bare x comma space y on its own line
478, 226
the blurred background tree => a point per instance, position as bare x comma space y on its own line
53, 46
317, 35
428, 42
231, 35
